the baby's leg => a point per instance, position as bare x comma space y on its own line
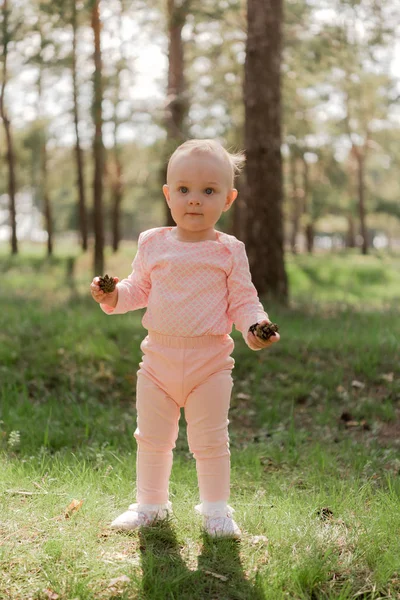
206, 412
156, 433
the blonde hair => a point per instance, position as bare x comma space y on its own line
235, 161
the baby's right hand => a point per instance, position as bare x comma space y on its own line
99, 296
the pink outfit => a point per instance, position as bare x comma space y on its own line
190, 288
193, 293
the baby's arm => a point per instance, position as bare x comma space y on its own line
244, 306
131, 293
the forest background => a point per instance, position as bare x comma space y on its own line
169, 71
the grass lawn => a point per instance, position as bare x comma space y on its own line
314, 441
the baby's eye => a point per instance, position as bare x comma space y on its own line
183, 189
209, 191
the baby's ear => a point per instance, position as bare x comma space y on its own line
230, 199
165, 190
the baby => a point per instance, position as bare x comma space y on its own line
195, 283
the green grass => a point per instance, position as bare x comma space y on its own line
314, 425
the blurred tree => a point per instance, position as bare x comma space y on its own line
43, 58
98, 145
358, 80
6, 37
118, 68
176, 107
82, 210
262, 97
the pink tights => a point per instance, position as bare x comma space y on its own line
193, 373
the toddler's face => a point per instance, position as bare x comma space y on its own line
198, 191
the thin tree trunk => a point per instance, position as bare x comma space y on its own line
98, 146
46, 198
296, 209
42, 145
82, 212
264, 189
361, 201
176, 106
351, 232
9, 139
307, 208
117, 195
309, 232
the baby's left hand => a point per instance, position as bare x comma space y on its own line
256, 343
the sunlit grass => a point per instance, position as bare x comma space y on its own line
314, 443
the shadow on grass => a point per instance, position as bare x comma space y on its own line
219, 571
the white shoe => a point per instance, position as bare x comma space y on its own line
141, 515
222, 527
218, 520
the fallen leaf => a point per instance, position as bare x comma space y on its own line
388, 377
243, 396
216, 575
357, 384
117, 580
257, 539
72, 508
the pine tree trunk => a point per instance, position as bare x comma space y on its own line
264, 189
9, 139
310, 237
361, 202
307, 208
295, 204
98, 146
176, 107
46, 199
117, 191
351, 232
82, 212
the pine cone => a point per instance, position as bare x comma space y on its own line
107, 284
264, 332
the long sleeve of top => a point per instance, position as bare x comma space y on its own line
133, 292
190, 288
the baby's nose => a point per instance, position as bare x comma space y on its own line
193, 200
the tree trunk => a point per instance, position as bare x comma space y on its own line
361, 201
351, 232
308, 217
310, 237
264, 190
9, 139
176, 107
82, 212
46, 198
98, 146
296, 208
117, 194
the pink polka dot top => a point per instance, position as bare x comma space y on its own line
190, 289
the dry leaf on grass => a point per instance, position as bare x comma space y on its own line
115, 583
389, 377
216, 575
72, 508
257, 539
357, 384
